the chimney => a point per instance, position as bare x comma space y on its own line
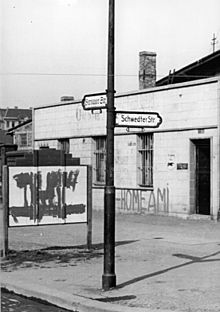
147, 69
67, 98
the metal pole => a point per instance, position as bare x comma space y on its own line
5, 210
218, 162
89, 207
109, 277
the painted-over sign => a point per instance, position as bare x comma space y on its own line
137, 119
94, 101
47, 195
67, 120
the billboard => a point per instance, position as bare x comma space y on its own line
47, 195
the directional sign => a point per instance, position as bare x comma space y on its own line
137, 119
94, 101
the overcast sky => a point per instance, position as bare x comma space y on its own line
52, 48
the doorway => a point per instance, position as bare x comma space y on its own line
201, 179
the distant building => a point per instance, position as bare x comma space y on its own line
22, 135
11, 117
5, 138
2, 115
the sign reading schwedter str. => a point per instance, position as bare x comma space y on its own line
137, 119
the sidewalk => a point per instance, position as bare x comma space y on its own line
162, 264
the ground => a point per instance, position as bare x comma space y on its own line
161, 262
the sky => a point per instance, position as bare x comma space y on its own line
53, 48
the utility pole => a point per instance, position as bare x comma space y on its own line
213, 43
109, 277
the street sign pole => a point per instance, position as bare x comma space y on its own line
109, 277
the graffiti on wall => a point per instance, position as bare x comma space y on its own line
42, 195
142, 201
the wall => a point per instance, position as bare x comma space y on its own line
181, 106
84, 148
189, 111
126, 161
136, 201
175, 147
67, 120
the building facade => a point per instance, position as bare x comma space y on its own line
170, 170
2, 115
22, 135
12, 117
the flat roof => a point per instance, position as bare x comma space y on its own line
187, 84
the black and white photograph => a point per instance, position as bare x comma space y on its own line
110, 155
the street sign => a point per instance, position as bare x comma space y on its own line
137, 119
94, 101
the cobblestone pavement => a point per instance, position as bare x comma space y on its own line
14, 303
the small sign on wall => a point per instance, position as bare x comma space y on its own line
171, 161
182, 166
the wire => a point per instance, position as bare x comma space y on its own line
99, 75
49, 74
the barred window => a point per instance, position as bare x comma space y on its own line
145, 151
23, 140
100, 158
64, 145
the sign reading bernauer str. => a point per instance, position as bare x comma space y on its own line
94, 101
137, 119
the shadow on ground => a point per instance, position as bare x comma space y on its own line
53, 256
191, 260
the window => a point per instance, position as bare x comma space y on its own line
145, 151
100, 157
23, 140
64, 145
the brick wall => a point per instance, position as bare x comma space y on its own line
147, 69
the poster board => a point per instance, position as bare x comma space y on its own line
47, 195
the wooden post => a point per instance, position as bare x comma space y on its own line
5, 209
89, 207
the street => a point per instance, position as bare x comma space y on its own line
161, 262
13, 303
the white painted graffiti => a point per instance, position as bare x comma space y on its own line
142, 201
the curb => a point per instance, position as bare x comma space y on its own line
67, 301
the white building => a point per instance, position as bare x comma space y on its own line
172, 169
